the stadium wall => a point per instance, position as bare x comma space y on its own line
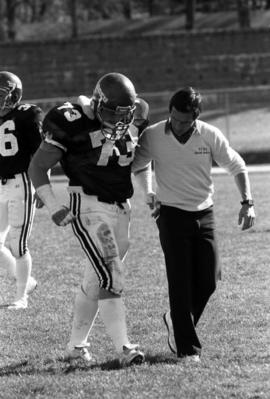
206, 60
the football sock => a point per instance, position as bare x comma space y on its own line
8, 261
112, 312
85, 312
23, 272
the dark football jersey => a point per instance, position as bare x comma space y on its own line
100, 166
20, 136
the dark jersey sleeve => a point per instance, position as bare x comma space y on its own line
33, 126
60, 122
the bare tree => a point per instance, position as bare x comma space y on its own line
190, 14
243, 10
11, 6
74, 19
127, 8
2, 22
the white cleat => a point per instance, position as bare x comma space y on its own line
18, 305
31, 286
78, 352
168, 323
131, 355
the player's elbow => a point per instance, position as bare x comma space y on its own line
38, 172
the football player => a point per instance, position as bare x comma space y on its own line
20, 136
94, 140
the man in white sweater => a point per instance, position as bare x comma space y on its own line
183, 149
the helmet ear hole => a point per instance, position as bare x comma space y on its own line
15, 97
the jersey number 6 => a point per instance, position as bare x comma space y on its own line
8, 141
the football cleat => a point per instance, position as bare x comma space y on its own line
131, 355
19, 304
168, 323
78, 352
31, 286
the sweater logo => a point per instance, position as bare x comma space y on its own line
202, 151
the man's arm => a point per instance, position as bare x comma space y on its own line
145, 181
247, 212
43, 160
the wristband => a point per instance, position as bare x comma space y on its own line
248, 202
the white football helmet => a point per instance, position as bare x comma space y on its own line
10, 90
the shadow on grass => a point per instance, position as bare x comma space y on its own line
60, 366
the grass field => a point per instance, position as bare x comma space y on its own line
234, 329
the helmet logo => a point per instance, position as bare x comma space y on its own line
101, 94
11, 84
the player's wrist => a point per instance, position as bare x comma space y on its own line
47, 196
248, 202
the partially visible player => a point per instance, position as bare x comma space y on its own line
20, 136
95, 142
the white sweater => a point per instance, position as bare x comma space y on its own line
183, 171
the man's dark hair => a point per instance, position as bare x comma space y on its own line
186, 100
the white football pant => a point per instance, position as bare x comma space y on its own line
16, 218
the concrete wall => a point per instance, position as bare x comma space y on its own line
207, 60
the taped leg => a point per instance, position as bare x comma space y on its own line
21, 213
85, 308
121, 230
7, 261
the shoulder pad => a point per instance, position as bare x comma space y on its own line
142, 109
87, 105
29, 108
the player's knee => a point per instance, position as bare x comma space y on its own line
90, 289
17, 251
105, 294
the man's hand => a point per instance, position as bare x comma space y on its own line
151, 200
38, 201
63, 216
246, 216
154, 205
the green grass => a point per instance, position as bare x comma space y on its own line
234, 329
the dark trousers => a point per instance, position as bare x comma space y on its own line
189, 246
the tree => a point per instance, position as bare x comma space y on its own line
190, 14
243, 10
127, 8
11, 6
74, 20
2, 22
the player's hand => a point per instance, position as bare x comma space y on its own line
151, 200
155, 213
246, 217
154, 205
63, 216
38, 201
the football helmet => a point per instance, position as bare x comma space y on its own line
114, 100
10, 90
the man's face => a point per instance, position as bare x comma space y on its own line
181, 122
